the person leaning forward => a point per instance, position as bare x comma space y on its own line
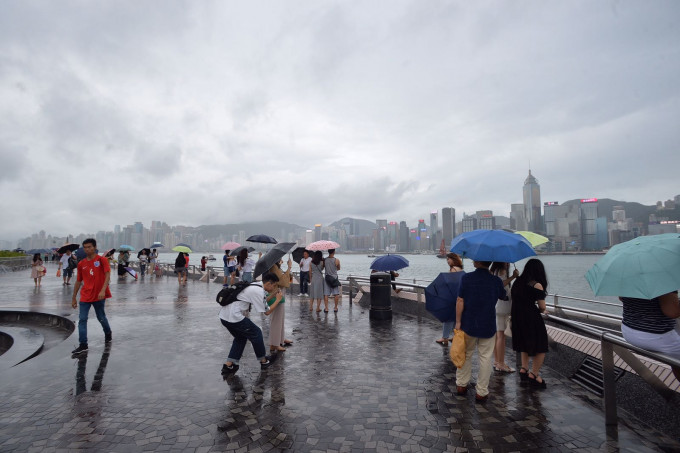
476, 316
242, 328
94, 274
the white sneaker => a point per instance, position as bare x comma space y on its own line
300, 294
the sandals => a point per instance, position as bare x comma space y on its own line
533, 381
442, 341
276, 348
503, 368
523, 374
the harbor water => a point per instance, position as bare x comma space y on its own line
565, 272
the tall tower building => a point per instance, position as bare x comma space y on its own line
532, 203
448, 225
434, 227
317, 232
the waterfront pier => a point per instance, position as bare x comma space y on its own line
347, 384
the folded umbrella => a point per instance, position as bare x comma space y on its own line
272, 257
492, 245
297, 254
323, 245
68, 247
132, 272
262, 238
441, 296
645, 267
231, 245
388, 263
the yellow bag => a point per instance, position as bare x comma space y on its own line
458, 347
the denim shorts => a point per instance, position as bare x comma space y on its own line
180, 270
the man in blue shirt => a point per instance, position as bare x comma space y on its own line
476, 316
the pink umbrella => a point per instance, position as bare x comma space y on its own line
323, 245
230, 245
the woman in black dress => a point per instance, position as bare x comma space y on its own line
529, 336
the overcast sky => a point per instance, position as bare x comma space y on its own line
308, 111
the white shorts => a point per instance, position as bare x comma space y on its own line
502, 322
665, 343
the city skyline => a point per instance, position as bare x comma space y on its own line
141, 236
307, 112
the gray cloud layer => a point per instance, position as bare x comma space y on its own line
217, 112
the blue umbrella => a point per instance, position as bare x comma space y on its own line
80, 253
156, 245
388, 263
263, 238
492, 245
126, 248
441, 295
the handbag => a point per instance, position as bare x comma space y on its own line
508, 328
458, 348
332, 281
58, 272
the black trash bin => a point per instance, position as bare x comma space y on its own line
381, 296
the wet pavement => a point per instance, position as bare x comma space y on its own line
345, 385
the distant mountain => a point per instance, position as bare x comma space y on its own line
279, 230
361, 227
636, 211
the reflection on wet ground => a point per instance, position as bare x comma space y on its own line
345, 385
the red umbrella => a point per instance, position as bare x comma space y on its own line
231, 245
322, 245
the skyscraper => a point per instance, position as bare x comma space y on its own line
448, 225
434, 227
532, 203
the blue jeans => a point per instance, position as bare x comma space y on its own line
243, 331
247, 276
142, 268
447, 328
82, 318
304, 282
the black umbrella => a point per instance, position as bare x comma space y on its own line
148, 252
109, 253
272, 257
297, 254
237, 250
183, 244
69, 247
157, 245
441, 295
263, 238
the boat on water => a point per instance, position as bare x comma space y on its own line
442, 250
211, 258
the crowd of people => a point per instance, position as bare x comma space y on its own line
492, 303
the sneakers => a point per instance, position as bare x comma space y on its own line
80, 349
300, 295
267, 363
231, 369
107, 337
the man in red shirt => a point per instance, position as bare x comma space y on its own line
94, 273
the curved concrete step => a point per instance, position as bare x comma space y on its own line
26, 343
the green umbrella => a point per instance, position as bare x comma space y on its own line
644, 268
181, 248
534, 239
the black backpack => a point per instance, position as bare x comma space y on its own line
72, 263
228, 294
180, 261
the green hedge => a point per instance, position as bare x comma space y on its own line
8, 254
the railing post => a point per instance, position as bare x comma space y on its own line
556, 299
350, 283
610, 416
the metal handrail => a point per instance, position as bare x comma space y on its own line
611, 344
